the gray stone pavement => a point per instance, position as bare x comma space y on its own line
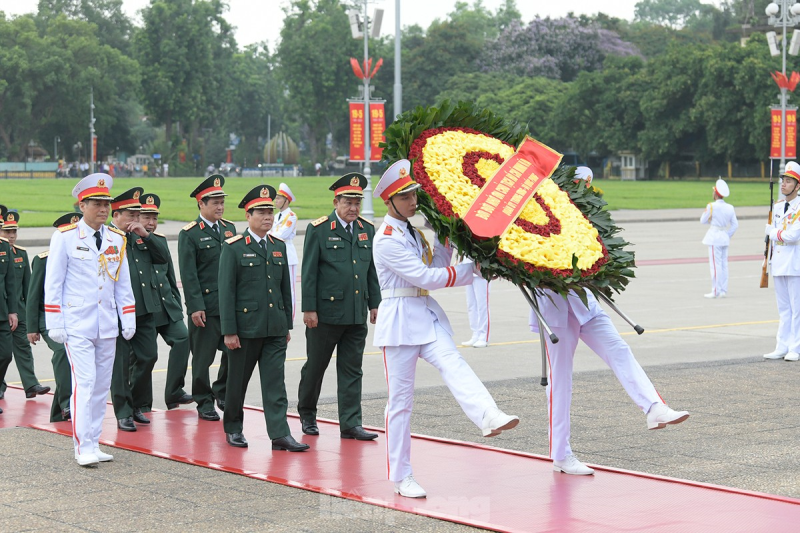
703, 356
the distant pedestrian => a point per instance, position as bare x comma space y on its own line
317, 168
722, 218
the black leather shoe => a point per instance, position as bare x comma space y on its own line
288, 444
310, 427
126, 424
2, 394
358, 433
236, 439
221, 405
211, 416
66, 414
1, 410
36, 389
183, 400
139, 417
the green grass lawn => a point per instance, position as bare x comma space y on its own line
41, 201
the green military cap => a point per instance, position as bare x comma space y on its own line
209, 188
351, 185
10, 220
259, 197
150, 203
128, 200
67, 219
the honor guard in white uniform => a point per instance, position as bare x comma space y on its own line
478, 311
285, 229
784, 234
87, 295
722, 218
572, 320
411, 325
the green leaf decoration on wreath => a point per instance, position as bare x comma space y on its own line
609, 273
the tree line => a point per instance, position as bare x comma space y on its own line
676, 83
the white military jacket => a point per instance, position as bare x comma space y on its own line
722, 218
86, 290
556, 312
409, 320
285, 228
785, 234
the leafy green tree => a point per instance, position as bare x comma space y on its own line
113, 25
673, 13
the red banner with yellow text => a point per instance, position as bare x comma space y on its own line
377, 125
356, 131
505, 194
791, 134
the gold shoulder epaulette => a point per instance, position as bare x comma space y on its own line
20, 248
4, 239
233, 239
319, 221
117, 231
277, 238
190, 225
44, 254
367, 221
67, 228
160, 234
226, 220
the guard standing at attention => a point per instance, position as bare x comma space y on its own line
87, 289
722, 218
23, 356
285, 228
8, 304
255, 312
340, 289
169, 316
37, 329
199, 248
132, 381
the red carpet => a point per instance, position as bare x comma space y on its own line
466, 483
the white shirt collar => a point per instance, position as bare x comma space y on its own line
343, 223
210, 224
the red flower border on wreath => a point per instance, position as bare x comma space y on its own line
445, 208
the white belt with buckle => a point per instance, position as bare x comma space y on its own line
403, 292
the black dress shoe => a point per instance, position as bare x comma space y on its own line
1, 410
221, 405
2, 394
358, 433
126, 424
310, 427
211, 416
236, 439
139, 417
288, 444
183, 400
66, 414
36, 389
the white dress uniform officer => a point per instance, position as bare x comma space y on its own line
784, 235
572, 320
285, 229
411, 325
87, 294
722, 218
478, 311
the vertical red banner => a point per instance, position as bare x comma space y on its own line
94, 148
377, 124
791, 134
356, 131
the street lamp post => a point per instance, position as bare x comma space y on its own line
782, 15
368, 211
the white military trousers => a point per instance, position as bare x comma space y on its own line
91, 362
718, 265
478, 308
603, 338
400, 364
787, 292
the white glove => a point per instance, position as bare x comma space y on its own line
59, 335
128, 333
767, 230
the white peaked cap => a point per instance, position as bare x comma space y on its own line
722, 188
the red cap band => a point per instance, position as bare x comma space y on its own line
202, 194
395, 187
93, 191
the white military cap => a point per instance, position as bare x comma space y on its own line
584, 173
94, 186
792, 170
286, 192
722, 189
396, 179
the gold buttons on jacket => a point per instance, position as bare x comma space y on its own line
356, 276
207, 291
251, 264
356, 292
142, 284
331, 298
244, 310
354, 261
270, 305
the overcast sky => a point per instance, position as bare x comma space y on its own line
259, 20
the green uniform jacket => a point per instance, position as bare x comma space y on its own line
338, 277
167, 287
23, 274
142, 253
34, 304
9, 303
198, 259
255, 292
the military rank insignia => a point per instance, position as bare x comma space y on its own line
18, 259
362, 237
112, 250
387, 230
139, 241
228, 234
277, 254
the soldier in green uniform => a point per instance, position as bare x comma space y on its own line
8, 304
23, 356
59, 411
199, 248
340, 289
255, 304
132, 378
169, 317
